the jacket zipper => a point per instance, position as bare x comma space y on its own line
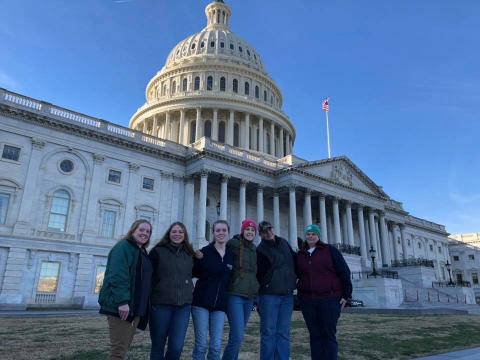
218, 290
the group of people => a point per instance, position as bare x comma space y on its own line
157, 288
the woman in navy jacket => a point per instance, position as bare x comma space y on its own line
209, 297
324, 286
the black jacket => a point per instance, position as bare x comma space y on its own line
172, 275
213, 273
276, 267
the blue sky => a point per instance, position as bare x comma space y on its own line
403, 77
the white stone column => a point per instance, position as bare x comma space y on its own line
336, 222
181, 135
272, 138
223, 197
292, 218
260, 135
144, 126
198, 125
281, 153
394, 239
307, 208
230, 124
403, 241
323, 218
202, 211
260, 214
155, 125
384, 240
378, 242
82, 292
343, 225
290, 145
11, 291
287, 143
167, 129
276, 212
247, 132
348, 210
361, 231
215, 125
243, 200
373, 234
133, 184
24, 225
188, 203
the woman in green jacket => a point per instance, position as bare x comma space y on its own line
171, 299
125, 291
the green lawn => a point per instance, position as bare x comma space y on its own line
362, 337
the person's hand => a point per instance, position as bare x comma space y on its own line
343, 302
123, 311
198, 255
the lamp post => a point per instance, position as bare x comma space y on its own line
372, 255
449, 269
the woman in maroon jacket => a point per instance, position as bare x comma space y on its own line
324, 286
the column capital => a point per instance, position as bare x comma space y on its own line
322, 196
203, 173
260, 187
308, 192
276, 193
98, 159
225, 178
38, 144
132, 167
243, 182
292, 187
401, 226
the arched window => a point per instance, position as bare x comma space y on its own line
247, 88
193, 125
207, 129
184, 84
174, 87
221, 132
258, 139
257, 92
210, 83
164, 89
265, 95
235, 86
250, 136
236, 135
222, 84
59, 211
196, 85
267, 140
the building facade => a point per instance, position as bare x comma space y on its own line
465, 260
210, 142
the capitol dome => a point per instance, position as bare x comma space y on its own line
214, 85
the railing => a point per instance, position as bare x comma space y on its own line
442, 284
412, 295
23, 101
413, 262
348, 249
387, 274
45, 298
422, 222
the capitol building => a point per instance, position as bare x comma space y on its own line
211, 142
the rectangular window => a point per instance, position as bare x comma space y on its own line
99, 276
108, 223
48, 281
439, 249
148, 183
471, 257
459, 278
114, 176
4, 200
11, 153
475, 278
456, 258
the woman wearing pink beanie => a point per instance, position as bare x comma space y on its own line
243, 286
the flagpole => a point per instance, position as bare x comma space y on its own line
328, 135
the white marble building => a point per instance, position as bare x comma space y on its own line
210, 142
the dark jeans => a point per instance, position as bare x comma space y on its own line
172, 322
321, 316
239, 309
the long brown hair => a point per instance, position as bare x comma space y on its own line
186, 242
134, 227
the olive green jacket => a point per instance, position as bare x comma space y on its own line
243, 281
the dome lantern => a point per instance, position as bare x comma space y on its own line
218, 14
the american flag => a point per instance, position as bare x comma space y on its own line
325, 105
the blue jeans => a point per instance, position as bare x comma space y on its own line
321, 317
203, 321
275, 316
168, 321
239, 309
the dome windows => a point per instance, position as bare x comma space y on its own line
184, 85
174, 87
235, 86
240, 49
248, 52
257, 92
210, 83
265, 95
232, 47
247, 88
193, 46
212, 43
196, 85
222, 44
222, 83
202, 44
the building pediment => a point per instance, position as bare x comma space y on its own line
343, 171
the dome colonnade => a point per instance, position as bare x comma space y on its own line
214, 85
